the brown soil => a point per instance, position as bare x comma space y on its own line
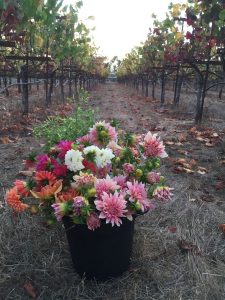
178, 248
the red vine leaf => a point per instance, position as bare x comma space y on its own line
30, 290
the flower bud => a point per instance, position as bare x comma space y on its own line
34, 209
132, 140
117, 160
103, 134
65, 208
137, 205
91, 192
73, 146
138, 173
149, 165
50, 222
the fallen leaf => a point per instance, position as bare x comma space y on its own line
202, 169
34, 209
200, 139
193, 162
186, 246
181, 151
181, 161
5, 140
208, 144
201, 172
168, 143
189, 171
180, 169
28, 173
30, 290
172, 229
207, 198
220, 185
192, 199
215, 134
182, 137
179, 144
222, 227
193, 129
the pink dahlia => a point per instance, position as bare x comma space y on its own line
109, 133
116, 149
121, 181
84, 139
63, 147
103, 171
93, 136
153, 147
60, 210
93, 221
105, 185
162, 193
112, 208
137, 193
84, 179
135, 152
128, 168
153, 177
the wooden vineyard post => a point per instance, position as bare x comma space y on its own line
199, 97
47, 98
18, 81
153, 81
163, 87
142, 85
5, 84
61, 83
50, 90
146, 87
178, 85
76, 81
153, 89
24, 77
70, 79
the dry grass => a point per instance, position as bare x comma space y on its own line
187, 264
159, 269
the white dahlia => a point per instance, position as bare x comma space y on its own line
73, 160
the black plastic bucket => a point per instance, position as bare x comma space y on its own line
102, 253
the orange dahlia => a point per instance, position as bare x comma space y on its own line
67, 195
13, 200
48, 191
42, 176
22, 188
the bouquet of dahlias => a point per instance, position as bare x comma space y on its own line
101, 177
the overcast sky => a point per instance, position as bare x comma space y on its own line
121, 25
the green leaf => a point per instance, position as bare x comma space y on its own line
222, 15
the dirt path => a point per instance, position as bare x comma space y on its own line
178, 248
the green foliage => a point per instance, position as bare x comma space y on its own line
57, 128
191, 31
115, 123
50, 26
